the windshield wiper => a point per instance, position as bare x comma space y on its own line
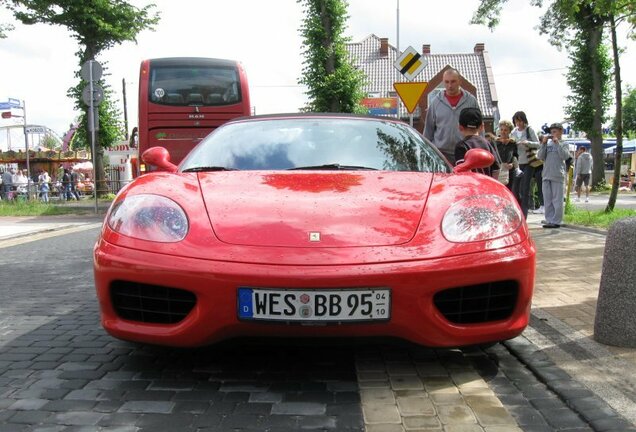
334, 166
209, 168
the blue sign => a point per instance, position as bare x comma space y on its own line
381, 111
11, 103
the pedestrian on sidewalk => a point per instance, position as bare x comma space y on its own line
507, 148
74, 184
7, 185
527, 145
582, 173
442, 116
66, 185
553, 152
471, 125
44, 183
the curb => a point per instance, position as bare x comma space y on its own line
587, 229
600, 416
43, 231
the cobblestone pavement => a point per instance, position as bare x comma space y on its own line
60, 372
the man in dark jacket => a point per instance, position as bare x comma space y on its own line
470, 125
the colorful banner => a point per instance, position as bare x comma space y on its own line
379, 106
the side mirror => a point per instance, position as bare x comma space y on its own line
475, 159
160, 158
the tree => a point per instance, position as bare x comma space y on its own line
563, 19
590, 16
589, 90
3, 29
97, 25
629, 112
50, 141
333, 83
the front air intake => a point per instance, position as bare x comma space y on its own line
478, 303
150, 303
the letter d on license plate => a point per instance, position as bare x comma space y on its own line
264, 304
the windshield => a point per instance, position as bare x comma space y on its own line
194, 85
315, 143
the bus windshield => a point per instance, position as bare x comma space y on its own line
194, 85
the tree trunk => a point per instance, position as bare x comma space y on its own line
619, 120
595, 136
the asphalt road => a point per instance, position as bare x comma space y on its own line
60, 371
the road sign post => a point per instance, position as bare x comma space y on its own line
92, 96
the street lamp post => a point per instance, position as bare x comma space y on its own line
26, 147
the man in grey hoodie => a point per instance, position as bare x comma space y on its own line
553, 152
442, 116
582, 173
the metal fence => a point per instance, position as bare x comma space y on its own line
57, 193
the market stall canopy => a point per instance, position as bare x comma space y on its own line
629, 147
83, 166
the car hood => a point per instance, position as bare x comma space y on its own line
315, 209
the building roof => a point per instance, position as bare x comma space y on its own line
474, 68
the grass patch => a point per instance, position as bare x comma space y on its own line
35, 208
597, 219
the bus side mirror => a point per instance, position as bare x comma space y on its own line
160, 158
475, 159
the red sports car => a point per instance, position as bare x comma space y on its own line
314, 225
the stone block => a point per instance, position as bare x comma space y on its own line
615, 320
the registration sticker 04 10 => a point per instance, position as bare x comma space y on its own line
314, 305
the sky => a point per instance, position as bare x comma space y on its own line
38, 62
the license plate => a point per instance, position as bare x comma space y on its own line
264, 304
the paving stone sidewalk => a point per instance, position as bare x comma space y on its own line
569, 265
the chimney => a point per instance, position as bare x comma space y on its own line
479, 48
384, 47
426, 49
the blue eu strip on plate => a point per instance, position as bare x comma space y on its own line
245, 303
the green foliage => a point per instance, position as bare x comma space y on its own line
629, 112
3, 29
583, 84
32, 208
50, 141
333, 84
601, 186
569, 208
110, 124
598, 219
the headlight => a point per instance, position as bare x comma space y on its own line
149, 217
479, 218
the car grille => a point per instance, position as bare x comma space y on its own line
150, 303
478, 303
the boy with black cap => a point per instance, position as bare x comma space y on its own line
470, 125
553, 152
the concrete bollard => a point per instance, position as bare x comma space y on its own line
615, 321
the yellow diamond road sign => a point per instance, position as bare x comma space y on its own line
410, 93
410, 63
